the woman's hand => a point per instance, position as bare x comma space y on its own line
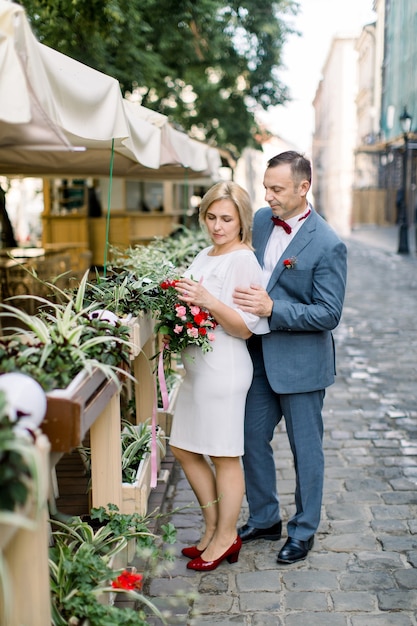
191, 292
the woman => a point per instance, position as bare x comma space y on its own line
210, 408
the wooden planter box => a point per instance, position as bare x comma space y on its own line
135, 495
90, 403
143, 348
141, 330
72, 411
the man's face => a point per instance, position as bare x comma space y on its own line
285, 197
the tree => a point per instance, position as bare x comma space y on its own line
207, 65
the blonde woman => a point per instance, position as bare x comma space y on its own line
207, 432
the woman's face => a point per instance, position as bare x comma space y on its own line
223, 223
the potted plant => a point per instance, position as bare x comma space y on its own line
23, 485
82, 568
62, 340
137, 272
136, 442
136, 446
21, 482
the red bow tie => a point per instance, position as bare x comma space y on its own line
279, 222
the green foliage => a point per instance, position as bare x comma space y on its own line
131, 285
133, 525
18, 466
54, 345
80, 566
14, 469
207, 65
61, 340
136, 442
76, 579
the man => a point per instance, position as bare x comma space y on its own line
7, 238
304, 265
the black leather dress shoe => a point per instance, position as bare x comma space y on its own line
295, 550
249, 533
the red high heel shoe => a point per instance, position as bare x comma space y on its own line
232, 555
192, 552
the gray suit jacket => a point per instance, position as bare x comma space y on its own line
308, 299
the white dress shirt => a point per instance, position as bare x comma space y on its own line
277, 244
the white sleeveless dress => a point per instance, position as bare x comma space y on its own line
210, 407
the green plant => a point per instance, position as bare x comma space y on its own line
136, 442
61, 340
121, 291
20, 485
80, 567
132, 525
141, 269
20, 469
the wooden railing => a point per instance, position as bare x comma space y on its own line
91, 403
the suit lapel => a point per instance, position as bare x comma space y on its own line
265, 233
301, 239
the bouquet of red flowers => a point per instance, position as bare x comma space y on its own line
184, 324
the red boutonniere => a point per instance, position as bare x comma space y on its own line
289, 264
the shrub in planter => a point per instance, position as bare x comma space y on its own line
61, 340
23, 486
81, 571
129, 287
136, 443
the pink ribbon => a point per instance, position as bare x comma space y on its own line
162, 381
154, 444
165, 402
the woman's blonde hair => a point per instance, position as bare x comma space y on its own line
240, 198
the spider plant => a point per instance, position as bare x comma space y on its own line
121, 291
136, 443
80, 567
61, 340
147, 266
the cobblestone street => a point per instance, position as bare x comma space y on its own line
362, 570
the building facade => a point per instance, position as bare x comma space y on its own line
335, 135
365, 139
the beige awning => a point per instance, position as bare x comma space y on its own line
61, 117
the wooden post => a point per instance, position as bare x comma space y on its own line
106, 469
27, 560
145, 386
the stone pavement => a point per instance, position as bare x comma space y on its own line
362, 570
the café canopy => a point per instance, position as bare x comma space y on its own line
59, 117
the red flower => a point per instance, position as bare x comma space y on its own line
183, 324
289, 264
200, 318
129, 581
166, 284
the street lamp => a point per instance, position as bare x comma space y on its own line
405, 121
